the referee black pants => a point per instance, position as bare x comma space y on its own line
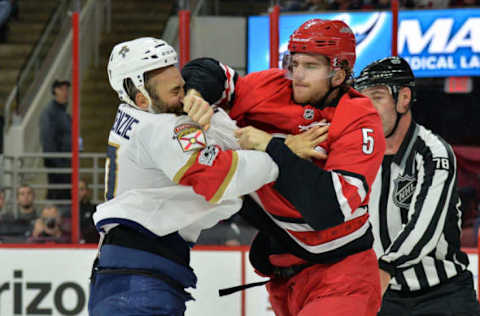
456, 297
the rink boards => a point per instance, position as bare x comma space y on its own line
54, 281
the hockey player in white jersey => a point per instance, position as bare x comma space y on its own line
166, 179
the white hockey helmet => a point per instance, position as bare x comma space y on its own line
133, 59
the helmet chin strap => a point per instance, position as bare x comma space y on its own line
394, 92
399, 116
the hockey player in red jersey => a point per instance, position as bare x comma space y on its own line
315, 240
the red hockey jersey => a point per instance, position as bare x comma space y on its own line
320, 205
355, 148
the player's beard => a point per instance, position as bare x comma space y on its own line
160, 106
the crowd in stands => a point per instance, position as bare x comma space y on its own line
343, 5
28, 223
52, 224
24, 221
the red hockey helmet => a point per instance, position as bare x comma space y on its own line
331, 38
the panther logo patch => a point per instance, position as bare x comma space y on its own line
403, 191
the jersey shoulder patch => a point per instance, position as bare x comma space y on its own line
190, 137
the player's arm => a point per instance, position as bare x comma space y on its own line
219, 175
220, 86
212, 80
331, 196
428, 211
334, 194
186, 158
303, 144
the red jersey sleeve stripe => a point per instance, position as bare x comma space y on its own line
313, 238
209, 179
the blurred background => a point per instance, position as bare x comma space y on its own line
440, 39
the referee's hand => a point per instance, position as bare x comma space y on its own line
384, 280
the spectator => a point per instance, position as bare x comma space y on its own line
25, 203
317, 5
18, 223
409, 4
14, 11
431, 4
5, 10
88, 231
1, 133
302, 5
467, 3
381, 4
293, 5
11, 229
55, 136
48, 226
2, 211
2, 202
344, 5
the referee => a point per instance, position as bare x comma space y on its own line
414, 206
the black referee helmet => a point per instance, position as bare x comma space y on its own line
393, 72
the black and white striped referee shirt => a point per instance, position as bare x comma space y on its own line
415, 213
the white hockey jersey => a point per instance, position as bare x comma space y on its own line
164, 173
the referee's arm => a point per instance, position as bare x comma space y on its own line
427, 213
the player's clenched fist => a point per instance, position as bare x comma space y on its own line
252, 138
197, 108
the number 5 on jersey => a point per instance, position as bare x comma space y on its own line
368, 141
111, 168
